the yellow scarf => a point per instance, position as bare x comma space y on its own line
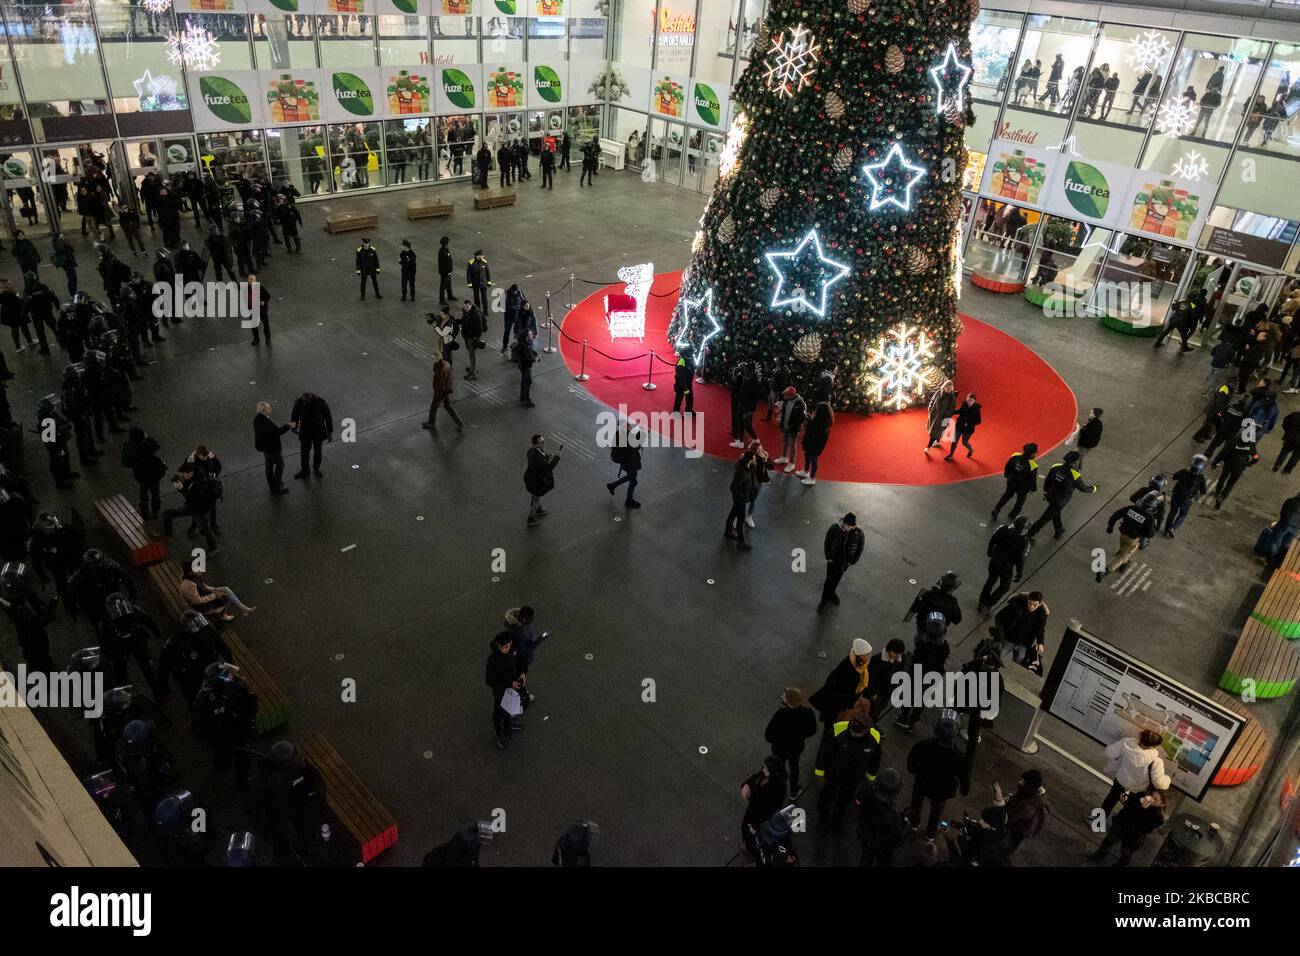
860, 665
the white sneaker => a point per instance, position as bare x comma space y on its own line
737, 444
780, 461
789, 468
1285, 391
749, 521
800, 474
810, 481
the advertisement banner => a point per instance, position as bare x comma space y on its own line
668, 96
450, 8
626, 85
355, 95
549, 85
1171, 210
293, 97
546, 8
272, 7
210, 6
1016, 172
227, 99
409, 91
346, 6
406, 8
504, 86
459, 89
1089, 191
585, 85
708, 104
588, 9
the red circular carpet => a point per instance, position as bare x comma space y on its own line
1023, 398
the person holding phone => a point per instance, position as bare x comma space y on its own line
539, 478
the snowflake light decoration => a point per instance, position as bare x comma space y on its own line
156, 6
1192, 166
1176, 117
1148, 51
897, 362
194, 47
793, 62
730, 154
1066, 147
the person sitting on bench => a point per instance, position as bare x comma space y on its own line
209, 599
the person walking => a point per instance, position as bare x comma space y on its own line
589, 161
445, 268
442, 389
839, 694
566, 146
503, 675
479, 279
764, 794
1236, 457
853, 759
1137, 522
941, 409
843, 545
62, 256
1189, 487
1021, 475
539, 477
506, 165
472, 327
368, 268
527, 359
968, 419
1142, 814
743, 478
939, 772
794, 412
1290, 450
514, 303
682, 378
1021, 626
1135, 765
547, 162
262, 295
266, 439
816, 433
1059, 485
880, 825
880, 675
1007, 550
626, 453
788, 731
315, 425
1089, 436
406, 262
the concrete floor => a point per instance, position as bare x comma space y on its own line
409, 611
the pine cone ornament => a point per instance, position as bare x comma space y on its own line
858, 6
955, 115
955, 208
769, 197
834, 105
808, 348
698, 242
762, 39
893, 59
932, 376
915, 260
843, 160
726, 231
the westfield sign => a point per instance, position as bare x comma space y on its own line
674, 29
1017, 135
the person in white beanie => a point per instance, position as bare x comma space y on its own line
838, 695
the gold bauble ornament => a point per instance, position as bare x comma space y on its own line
843, 160
808, 348
893, 59
834, 105
769, 197
727, 230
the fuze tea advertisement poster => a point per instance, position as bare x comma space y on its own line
1168, 209
1088, 190
504, 86
453, 7
668, 96
1016, 175
293, 98
548, 86
408, 92
708, 106
353, 95
459, 88
230, 99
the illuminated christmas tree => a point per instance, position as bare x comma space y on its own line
831, 241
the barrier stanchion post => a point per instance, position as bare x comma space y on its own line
582, 375
550, 324
650, 385
572, 280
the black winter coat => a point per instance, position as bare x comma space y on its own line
938, 770
843, 548
789, 728
839, 692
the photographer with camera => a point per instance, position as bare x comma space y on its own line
981, 841
196, 488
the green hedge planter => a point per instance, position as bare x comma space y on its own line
1127, 328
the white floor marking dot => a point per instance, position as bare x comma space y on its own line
338, 657
355, 467
428, 755
419, 517
591, 657
270, 580
495, 578
911, 580
704, 750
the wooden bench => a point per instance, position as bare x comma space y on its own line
368, 820
274, 706
128, 527
1266, 658
432, 208
1279, 605
491, 198
350, 222
1291, 561
1250, 751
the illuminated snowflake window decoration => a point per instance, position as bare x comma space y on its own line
156, 6
793, 62
896, 366
1176, 118
731, 149
1192, 166
1148, 51
194, 47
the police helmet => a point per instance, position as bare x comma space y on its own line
1198, 463
94, 357
283, 753
1158, 482
13, 571
117, 606
80, 298
936, 625
1150, 500
137, 735
4, 496
117, 700
219, 673
47, 522
949, 582
93, 557
88, 660
193, 622
239, 849
1021, 523
172, 813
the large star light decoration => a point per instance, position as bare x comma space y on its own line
704, 305
942, 75
793, 61
831, 273
883, 186
897, 362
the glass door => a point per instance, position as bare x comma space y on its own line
24, 195
458, 138
544, 125
297, 155
667, 143
503, 128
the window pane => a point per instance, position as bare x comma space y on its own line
346, 41
503, 38
409, 150
993, 39
58, 58
1000, 240
715, 38
403, 41
455, 40
283, 42
1271, 124
457, 143
230, 31
297, 154
227, 156
356, 151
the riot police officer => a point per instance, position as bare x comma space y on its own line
1137, 523
145, 764
57, 448
289, 794
97, 388
186, 655
97, 578
175, 837
930, 653
15, 525
223, 715
938, 598
1157, 484
29, 614
1007, 551
124, 632
74, 318
77, 407
56, 550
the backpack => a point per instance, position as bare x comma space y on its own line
617, 454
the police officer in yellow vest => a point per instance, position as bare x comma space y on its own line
1062, 481
854, 757
1021, 473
